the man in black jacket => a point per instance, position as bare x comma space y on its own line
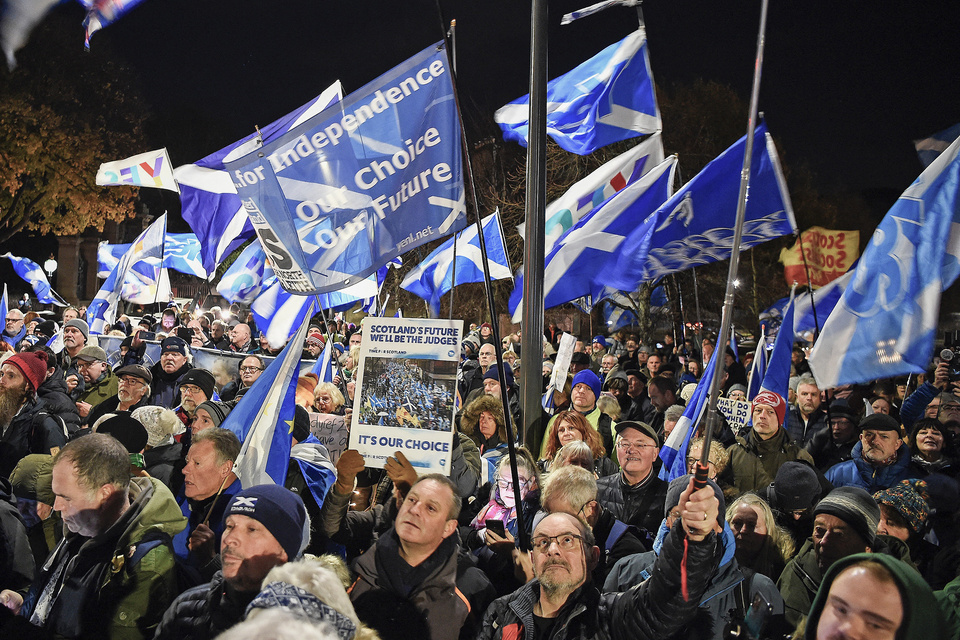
25, 425
562, 603
55, 393
164, 391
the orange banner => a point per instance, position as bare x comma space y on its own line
829, 255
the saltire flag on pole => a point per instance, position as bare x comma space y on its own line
608, 98
588, 193
777, 376
673, 453
579, 264
263, 419
32, 273
150, 169
149, 244
181, 252
433, 277
596, 8
356, 186
886, 320
696, 225
209, 201
759, 367
929, 148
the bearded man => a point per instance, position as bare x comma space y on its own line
25, 425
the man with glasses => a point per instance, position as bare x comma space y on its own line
133, 387
196, 387
15, 329
636, 494
562, 602
99, 381
250, 369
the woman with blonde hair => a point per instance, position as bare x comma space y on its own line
762, 545
328, 398
569, 426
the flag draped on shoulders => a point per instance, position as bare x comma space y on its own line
433, 277
885, 323
608, 98
263, 418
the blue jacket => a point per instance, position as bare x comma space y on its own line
916, 403
858, 473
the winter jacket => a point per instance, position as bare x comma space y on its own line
449, 597
110, 406
96, 392
195, 511
166, 465
32, 430
800, 434
826, 452
916, 403
615, 540
655, 609
204, 612
164, 391
639, 505
598, 420
923, 617
921, 468
719, 603
859, 473
16, 558
118, 584
754, 462
56, 395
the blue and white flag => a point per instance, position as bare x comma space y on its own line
608, 98
433, 277
588, 193
825, 298
56, 341
108, 257
209, 201
247, 276
696, 225
580, 262
596, 8
617, 312
149, 244
181, 252
777, 376
886, 321
263, 419
323, 368
32, 273
352, 188
102, 13
929, 148
759, 367
5, 301
673, 453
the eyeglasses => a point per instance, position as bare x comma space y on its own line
127, 380
249, 369
506, 484
692, 461
14, 319
626, 446
566, 542
191, 389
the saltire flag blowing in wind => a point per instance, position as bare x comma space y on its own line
777, 376
580, 262
886, 320
263, 419
673, 453
759, 367
363, 182
696, 226
434, 276
608, 98
32, 273
149, 244
209, 201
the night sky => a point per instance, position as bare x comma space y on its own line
846, 86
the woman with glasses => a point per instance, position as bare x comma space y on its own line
571, 426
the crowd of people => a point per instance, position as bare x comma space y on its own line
831, 514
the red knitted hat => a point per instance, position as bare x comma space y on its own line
774, 400
33, 366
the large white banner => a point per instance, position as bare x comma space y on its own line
406, 387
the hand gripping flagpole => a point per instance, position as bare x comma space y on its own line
726, 319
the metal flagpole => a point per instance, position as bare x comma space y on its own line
713, 416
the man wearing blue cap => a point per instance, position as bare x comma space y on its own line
599, 348
264, 526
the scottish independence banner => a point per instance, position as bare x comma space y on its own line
360, 183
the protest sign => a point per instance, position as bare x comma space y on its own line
558, 377
405, 393
829, 254
737, 412
332, 431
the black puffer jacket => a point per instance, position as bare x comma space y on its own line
33, 430
203, 612
656, 609
640, 505
164, 391
56, 395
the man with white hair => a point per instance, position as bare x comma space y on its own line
15, 329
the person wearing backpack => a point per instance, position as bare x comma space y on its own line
25, 424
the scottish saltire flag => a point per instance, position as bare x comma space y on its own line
580, 262
825, 298
243, 281
263, 419
929, 148
673, 453
323, 368
604, 181
208, 199
696, 225
146, 283
150, 169
759, 367
596, 8
886, 320
433, 277
777, 376
366, 181
608, 98
108, 257
101, 13
617, 312
56, 341
278, 312
102, 311
32, 273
